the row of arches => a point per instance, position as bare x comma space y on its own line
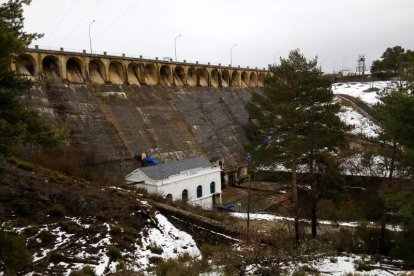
136, 73
199, 192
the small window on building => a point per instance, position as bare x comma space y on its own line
199, 191
184, 195
212, 187
169, 197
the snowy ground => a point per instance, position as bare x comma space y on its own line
272, 217
342, 265
362, 125
170, 241
359, 90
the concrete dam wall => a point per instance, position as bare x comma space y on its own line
115, 106
114, 121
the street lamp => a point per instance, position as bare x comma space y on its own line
274, 58
333, 67
320, 64
231, 54
90, 40
175, 46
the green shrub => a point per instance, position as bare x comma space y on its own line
184, 258
208, 251
57, 211
155, 249
31, 231
305, 271
13, 253
85, 271
46, 237
113, 252
363, 265
71, 228
57, 258
23, 209
115, 230
372, 89
173, 267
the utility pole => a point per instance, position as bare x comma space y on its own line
249, 167
90, 39
175, 46
231, 54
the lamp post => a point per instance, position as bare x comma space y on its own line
320, 64
231, 54
333, 67
274, 58
90, 40
175, 46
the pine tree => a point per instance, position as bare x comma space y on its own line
296, 108
395, 113
18, 124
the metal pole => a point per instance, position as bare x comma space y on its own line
249, 164
90, 40
274, 58
231, 54
175, 46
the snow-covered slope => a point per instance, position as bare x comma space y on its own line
361, 90
361, 124
160, 239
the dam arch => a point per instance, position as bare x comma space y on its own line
253, 79
135, 72
75, 70
215, 78
244, 79
166, 77
191, 77
235, 79
260, 79
97, 71
151, 74
51, 67
26, 65
116, 72
225, 78
202, 77
179, 76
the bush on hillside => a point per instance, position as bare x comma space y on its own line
13, 253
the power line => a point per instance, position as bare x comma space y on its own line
61, 20
118, 18
80, 21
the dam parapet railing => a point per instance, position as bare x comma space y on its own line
83, 67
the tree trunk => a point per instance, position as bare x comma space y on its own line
313, 195
295, 203
314, 214
381, 248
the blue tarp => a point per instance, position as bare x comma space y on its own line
151, 161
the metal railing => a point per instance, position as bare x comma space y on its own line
134, 56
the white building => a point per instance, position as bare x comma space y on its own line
193, 180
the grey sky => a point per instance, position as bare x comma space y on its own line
335, 30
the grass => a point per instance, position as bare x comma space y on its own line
42, 171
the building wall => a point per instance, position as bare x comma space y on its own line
175, 185
191, 183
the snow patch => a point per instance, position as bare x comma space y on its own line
362, 125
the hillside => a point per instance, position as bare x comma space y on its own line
69, 223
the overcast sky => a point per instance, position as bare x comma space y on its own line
335, 30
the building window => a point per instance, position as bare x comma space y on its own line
199, 191
169, 197
184, 195
212, 187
